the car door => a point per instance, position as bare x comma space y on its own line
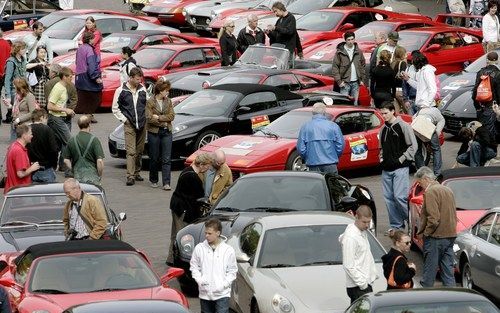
480, 255
188, 59
355, 152
283, 81
372, 122
243, 289
258, 104
450, 56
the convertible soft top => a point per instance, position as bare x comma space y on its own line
470, 172
247, 89
75, 246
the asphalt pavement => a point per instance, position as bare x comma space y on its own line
148, 224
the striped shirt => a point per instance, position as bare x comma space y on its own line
76, 222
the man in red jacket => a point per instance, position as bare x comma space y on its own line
4, 55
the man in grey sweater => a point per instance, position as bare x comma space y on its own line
434, 115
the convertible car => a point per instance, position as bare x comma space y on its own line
274, 147
288, 262
474, 190
33, 214
477, 254
270, 193
51, 277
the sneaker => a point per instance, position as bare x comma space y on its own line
167, 187
130, 181
139, 178
154, 185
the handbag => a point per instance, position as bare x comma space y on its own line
32, 79
423, 127
392, 282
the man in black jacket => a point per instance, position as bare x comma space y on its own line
485, 113
285, 30
482, 147
251, 34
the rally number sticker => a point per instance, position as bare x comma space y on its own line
359, 148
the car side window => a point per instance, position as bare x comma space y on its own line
360, 306
283, 81
130, 24
175, 39
211, 55
190, 57
482, 229
469, 39
156, 40
307, 82
249, 239
449, 40
259, 101
109, 25
22, 268
411, 25
359, 19
495, 232
371, 120
350, 123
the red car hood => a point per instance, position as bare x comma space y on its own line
168, 4
68, 60
14, 35
466, 218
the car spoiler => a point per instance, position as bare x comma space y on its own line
442, 17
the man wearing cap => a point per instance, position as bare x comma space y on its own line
320, 142
390, 45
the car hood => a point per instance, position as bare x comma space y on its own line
155, 6
69, 59
466, 218
19, 239
455, 81
219, 7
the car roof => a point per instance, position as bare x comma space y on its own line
121, 306
76, 246
332, 109
265, 71
246, 89
98, 16
434, 29
427, 295
182, 46
469, 172
282, 174
294, 219
50, 188
145, 32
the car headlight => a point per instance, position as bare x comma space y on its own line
187, 244
445, 100
179, 128
281, 304
213, 14
184, 12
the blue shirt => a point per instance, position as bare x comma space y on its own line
320, 141
209, 181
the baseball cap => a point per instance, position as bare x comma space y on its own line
393, 36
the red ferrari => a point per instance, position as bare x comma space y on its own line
111, 46
474, 189
51, 277
159, 60
274, 147
169, 12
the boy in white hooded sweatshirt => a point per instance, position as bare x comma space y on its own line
214, 268
424, 81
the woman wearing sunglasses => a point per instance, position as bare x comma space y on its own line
397, 270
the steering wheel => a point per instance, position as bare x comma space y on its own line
120, 280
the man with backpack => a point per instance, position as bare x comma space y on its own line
486, 92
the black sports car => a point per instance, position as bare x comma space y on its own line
33, 214
223, 110
17, 14
258, 194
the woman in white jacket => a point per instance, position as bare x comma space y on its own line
491, 28
424, 81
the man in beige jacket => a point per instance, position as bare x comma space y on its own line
218, 178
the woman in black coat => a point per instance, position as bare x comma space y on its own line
397, 270
384, 80
228, 44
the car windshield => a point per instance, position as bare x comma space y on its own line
153, 58
368, 31
444, 307
65, 29
37, 209
268, 57
209, 103
115, 42
480, 62
310, 245
475, 193
91, 272
412, 40
303, 7
288, 125
319, 21
52, 18
276, 193
239, 78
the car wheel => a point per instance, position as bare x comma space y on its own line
206, 138
467, 276
295, 163
255, 307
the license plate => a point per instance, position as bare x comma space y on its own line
120, 146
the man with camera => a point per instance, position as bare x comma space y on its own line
84, 216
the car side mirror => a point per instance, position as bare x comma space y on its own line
346, 27
172, 272
242, 258
433, 48
175, 64
122, 216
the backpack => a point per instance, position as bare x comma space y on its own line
483, 92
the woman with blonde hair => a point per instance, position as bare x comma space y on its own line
228, 44
24, 104
15, 67
399, 65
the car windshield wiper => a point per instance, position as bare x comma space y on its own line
108, 289
297, 29
227, 209
268, 209
277, 265
183, 113
322, 263
269, 133
53, 291
51, 222
18, 223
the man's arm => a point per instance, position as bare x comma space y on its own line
339, 141
72, 96
195, 265
433, 214
115, 108
100, 219
349, 262
100, 167
301, 145
231, 269
410, 140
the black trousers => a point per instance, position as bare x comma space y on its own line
355, 292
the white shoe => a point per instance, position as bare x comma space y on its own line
167, 187
154, 185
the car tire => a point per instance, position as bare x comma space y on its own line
206, 138
255, 307
466, 276
295, 163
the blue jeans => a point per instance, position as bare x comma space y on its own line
438, 253
351, 89
395, 186
160, 149
215, 306
436, 150
325, 168
44, 176
477, 155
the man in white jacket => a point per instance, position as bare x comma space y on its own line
424, 82
357, 258
214, 268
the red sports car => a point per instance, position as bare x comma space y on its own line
475, 192
169, 12
274, 147
51, 277
111, 46
159, 60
